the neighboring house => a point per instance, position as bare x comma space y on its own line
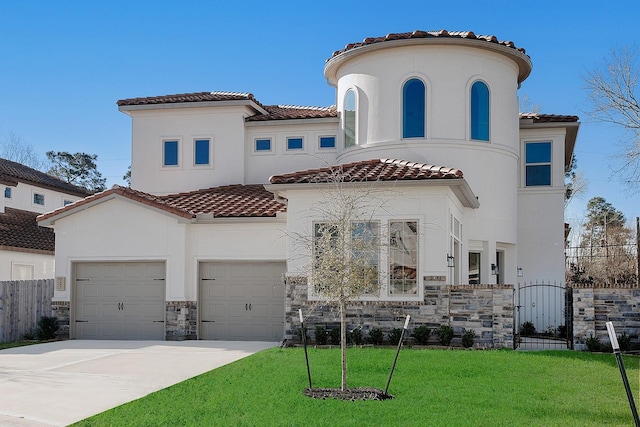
199, 246
27, 249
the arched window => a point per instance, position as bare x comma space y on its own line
349, 118
480, 111
413, 107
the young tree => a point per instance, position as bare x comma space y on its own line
13, 148
127, 177
344, 246
78, 169
612, 88
575, 182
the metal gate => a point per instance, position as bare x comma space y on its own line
544, 316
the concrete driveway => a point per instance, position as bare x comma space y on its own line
59, 383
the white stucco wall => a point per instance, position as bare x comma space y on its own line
42, 264
22, 198
121, 230
259, 166
223, 125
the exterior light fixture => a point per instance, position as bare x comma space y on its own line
494, 269
520, 272
451, 262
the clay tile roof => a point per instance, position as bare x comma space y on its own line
11, 173
548, 118
231, 201
19, 229
427, 34
190, 97
287, 112
369, 170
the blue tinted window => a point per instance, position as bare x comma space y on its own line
538, 163
38, 199
201, 150
413, 108
7, 192
294, 143
538, 152
171, 153
480, 111
263, 145
327, 142
349, 119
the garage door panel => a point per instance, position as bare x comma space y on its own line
246, 300
119, 300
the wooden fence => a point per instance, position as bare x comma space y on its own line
22, 304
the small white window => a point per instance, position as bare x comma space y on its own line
38, 199
170, 153
294, 144
327, 142
66, 202
201, 152
262, 145
7, 192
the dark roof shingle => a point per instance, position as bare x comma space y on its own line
548, 118
19, 229
288, 112
369, 170
11, 173
189, 97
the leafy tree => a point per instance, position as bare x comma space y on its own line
78, 169
613, 92
13, 148
127, 177
575, 183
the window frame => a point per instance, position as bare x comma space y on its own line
409, 116
195, 152
352, 117
36, 197
390, 262
165, 142
538, 164
321, 137
294, 138
479, 112
263, 151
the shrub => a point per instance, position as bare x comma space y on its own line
421, 334
468, 337
299, 334
376, 337
527, 329
334, 336
356, 336
445, 334
321, 335
562, 331
593, 344
394, 335
625, 342
30, 335
47, 328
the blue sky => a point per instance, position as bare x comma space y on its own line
66, 63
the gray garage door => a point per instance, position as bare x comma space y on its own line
242, 301
119, 300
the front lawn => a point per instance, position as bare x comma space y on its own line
431, 387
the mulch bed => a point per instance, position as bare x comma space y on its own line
352, 394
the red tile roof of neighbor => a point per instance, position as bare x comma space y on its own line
231, 201
419, 34
19, 229
11, 173
369, 170
288, 112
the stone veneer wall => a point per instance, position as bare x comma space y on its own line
594, 305
181, 321
486, 309
61, 311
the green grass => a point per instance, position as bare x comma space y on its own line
12, 344
431, 387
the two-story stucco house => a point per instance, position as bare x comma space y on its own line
198, 247
27, 249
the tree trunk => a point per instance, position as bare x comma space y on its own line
343, 341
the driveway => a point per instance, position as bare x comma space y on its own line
59, 383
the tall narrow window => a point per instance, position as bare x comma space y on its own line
201, 152
480, 111
538, 163
413, 109
170, 155
349, 118
403, 258
7, 192
474, 268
